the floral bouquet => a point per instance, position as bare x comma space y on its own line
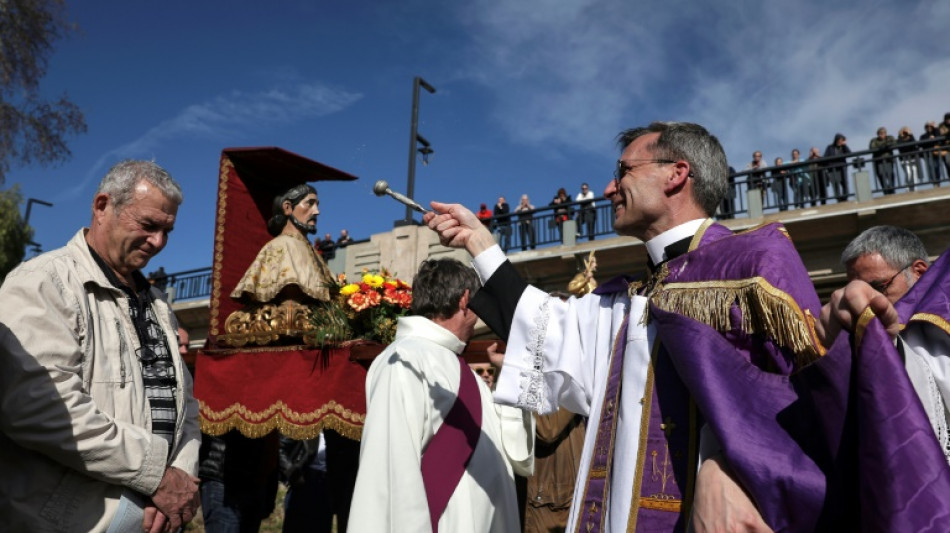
366, 310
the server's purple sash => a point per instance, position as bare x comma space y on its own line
452, 446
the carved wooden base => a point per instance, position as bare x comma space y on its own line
264, 324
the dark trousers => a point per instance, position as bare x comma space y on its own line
308, 507
587, 219
526, 231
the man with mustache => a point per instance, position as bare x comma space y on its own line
287, 267
98, 425
667, 366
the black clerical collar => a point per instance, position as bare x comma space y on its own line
671, 251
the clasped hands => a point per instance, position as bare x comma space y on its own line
174, 503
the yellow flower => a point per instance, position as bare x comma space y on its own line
373, 280
349, 289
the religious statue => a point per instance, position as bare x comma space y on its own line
285, 278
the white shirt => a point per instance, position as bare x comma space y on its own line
589, 195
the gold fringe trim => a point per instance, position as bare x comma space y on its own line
224, 173
279, 416
765, 309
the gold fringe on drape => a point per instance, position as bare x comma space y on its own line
278, 416
765, 309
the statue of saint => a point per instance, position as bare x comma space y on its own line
286, 277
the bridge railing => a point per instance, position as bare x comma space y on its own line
792, 186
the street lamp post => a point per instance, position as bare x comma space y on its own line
414, 139
26, 221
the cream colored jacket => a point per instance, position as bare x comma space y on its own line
74, 417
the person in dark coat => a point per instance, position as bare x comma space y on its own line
836, 172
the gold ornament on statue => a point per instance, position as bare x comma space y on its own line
584, 282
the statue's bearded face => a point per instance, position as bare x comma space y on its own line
305, 212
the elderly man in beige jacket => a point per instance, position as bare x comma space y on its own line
98, 425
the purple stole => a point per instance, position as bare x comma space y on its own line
452, 446
667, 463
598, 479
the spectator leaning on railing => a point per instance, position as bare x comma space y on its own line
908, 158
526, 223
944, 153
928, 143
883, 146
836, 172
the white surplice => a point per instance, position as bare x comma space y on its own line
571, 342
927, 360
410, 388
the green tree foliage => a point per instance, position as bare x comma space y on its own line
13, 233
32, 129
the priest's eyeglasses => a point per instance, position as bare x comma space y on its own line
882, 287
624, 167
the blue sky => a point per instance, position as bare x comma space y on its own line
530, 94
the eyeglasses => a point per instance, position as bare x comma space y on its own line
624, 167
882, 287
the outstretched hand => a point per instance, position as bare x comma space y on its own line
458, 228
847, 304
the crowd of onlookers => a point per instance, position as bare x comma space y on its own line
822, 176
581, 207
327, 246
904, 161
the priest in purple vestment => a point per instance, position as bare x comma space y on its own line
683, 372
897, 308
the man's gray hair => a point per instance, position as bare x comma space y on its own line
438, 287
122, 178
897, 246
694, 144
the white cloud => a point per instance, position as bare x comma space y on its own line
239, 110
769, 76
228, 115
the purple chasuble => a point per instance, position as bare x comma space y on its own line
451, 448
